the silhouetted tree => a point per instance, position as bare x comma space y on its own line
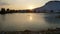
8, 9
2, 10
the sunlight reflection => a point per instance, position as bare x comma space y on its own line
30, 17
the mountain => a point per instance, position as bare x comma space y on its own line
51, 5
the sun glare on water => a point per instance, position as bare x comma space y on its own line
30, 17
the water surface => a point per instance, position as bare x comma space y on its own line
29, 21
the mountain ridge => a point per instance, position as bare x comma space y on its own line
51, 5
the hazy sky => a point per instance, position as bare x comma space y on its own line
22, 4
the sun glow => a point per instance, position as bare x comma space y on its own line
31, 7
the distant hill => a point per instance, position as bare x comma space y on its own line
51, 5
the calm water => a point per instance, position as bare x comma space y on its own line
30, 21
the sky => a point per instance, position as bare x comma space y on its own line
22, 4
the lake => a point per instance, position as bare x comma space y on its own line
29, 21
